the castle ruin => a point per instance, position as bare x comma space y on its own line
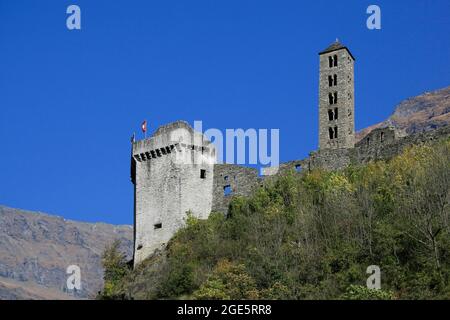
174, 171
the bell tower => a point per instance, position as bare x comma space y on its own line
336, 98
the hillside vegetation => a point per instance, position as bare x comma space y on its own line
311, 236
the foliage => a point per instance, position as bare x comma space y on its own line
228, 281
115, 269
355, 292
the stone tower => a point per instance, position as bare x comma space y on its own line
172, 172
336, 98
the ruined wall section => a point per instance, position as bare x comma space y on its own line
295, 165
380, 144
383, 144
232, 180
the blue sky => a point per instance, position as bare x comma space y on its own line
70, 100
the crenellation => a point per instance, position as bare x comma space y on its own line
162, 151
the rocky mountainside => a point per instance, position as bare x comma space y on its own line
36, 249
426, 112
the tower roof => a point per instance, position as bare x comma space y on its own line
336, 46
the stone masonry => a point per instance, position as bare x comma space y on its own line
336, 98
172, 172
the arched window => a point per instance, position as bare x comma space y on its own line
335, 113
381, 136
330, 98
330, 115
335, 132
330, 61
335, 60
331, 133
330, 81
335, 80
335, 97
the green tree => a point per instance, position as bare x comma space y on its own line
115, 269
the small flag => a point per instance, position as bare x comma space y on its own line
144, 126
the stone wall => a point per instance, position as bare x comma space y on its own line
238, 180
294, 165
380, 144
383, 144
330, 159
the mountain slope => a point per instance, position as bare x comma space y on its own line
19, 290
36, 249
425, 112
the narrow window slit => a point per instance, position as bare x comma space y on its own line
157, 226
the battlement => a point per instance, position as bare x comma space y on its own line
166, 150
179, 124
173, 137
